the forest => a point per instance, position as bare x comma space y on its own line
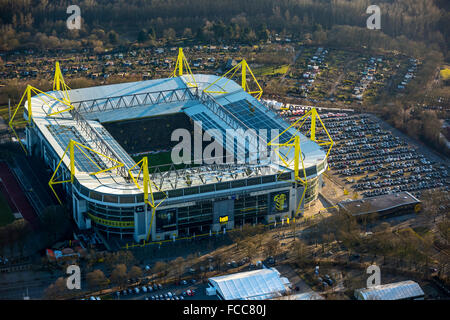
42, 23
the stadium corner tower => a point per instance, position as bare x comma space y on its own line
111, 124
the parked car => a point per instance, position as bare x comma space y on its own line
328, 280
190, 292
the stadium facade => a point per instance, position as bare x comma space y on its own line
113, 123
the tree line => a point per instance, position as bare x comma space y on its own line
105, 22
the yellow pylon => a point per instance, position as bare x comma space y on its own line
181, 65
294, 142
71, 148
244, 67
147, 188
59, 84
28, 91
314, 116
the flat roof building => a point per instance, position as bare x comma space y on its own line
383, 205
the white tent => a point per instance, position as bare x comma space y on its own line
311, 295
392, 291
251, 285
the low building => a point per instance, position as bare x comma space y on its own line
394, 203
259, 284
404, 290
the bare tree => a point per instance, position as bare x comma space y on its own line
119, 275
135, 272
250, 248
299, 251
160, 268
179, 264
435, 203
58, 290
96, 279
271, 248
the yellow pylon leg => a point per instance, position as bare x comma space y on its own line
181, 65
243, 65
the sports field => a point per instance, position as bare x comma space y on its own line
155, 159
162, 160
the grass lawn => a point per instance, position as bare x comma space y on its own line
445, 73
270, 71
162, 159
6, 215
156, 159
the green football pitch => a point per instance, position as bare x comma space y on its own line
156, 159
162, 160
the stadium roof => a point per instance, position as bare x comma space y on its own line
132, 100
392, 291
251, 285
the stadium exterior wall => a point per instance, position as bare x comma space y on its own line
225, 206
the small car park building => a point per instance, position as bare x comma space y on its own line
383, 205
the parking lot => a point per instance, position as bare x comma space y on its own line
184, 290
372, 160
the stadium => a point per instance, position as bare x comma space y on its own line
101, 143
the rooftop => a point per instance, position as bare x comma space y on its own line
392, 291
259, 284
378, 203
116, 102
